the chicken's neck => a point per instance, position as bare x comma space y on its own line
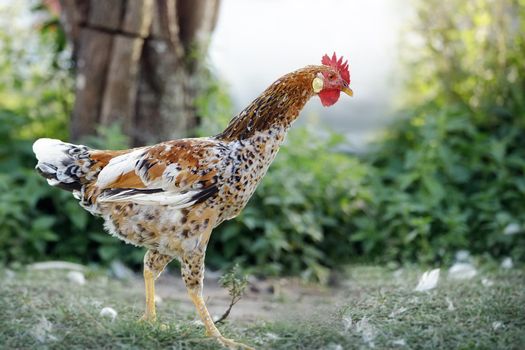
278, 106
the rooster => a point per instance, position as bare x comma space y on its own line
170, 196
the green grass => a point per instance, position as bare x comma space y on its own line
373, 307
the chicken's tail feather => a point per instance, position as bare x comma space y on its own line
63, 164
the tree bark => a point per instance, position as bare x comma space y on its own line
137, 63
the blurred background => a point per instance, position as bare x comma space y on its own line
426, 160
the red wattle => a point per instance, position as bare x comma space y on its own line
329, 96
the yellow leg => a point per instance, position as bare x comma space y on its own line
202, 310
154, 263
149, 281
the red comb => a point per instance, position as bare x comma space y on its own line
339, 65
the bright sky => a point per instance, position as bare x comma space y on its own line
257, 41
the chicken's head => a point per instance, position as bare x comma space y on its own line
329, 82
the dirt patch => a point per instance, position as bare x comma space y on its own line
264, 300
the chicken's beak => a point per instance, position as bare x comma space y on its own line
347, 91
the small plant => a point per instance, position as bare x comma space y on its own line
235, 281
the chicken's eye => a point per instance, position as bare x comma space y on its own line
331, 76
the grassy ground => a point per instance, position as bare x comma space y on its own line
372, 308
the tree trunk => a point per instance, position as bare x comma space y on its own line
137, 63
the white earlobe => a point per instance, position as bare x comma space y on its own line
317, 84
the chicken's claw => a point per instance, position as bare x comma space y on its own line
147, 318
233, 345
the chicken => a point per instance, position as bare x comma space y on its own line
169, 197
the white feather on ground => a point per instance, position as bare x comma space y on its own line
399, 342
397, 312
450, 306
497, 325
487, 282
42, 331
76, 277
428, 281
347, 322
367, 330
507, 263
108, 312
462, 271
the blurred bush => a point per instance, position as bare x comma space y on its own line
452, 174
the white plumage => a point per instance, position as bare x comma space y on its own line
176, 200
48, 150
61, 162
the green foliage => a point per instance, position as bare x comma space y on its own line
34, 81
451, 175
